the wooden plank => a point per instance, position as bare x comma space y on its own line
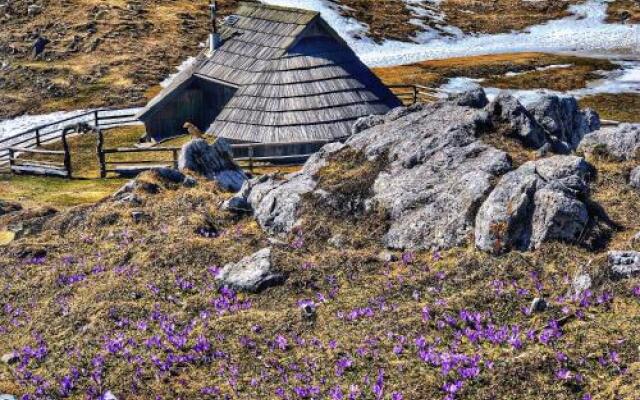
137, 162
51, 164
139, 150
37, 170
37, 151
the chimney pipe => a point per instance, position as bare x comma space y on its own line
214, 36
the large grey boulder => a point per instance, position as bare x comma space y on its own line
634, 179
508, 111
276, 200
474, 98
438, 173
541, 201
563, 120
624, 264
214, 161
251, 274
620, 143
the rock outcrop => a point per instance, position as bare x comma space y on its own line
634, 178
251, 274
554, 121
436, 176
624, 264
434, 173
619, 143
563, 121
276, 200
541, 201
507, 110
214, 161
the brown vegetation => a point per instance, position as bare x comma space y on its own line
499, 16
494, 67
623, 11
159, 270
623, 107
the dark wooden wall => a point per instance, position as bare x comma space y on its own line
200, 102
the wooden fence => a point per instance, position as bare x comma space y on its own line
247, 155
25, 165
47, 133
412, 94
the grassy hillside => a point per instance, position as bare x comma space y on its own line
115, 52
97, 302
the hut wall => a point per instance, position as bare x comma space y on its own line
215, 97
199, 102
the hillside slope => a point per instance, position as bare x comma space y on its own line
114, 53
123, 297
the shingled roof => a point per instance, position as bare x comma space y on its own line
296, 79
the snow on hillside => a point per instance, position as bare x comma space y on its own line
585, 31
626, 80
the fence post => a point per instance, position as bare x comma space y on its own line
415, 94
37, 137
67, 153
175, 158
11, 159
96, 119
251, 159
101, 157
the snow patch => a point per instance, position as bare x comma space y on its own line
584, 31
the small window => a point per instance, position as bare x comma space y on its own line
231, 20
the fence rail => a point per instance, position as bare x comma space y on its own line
50, 132
249, 155
411, 94
26, 165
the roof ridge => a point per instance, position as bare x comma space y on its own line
259, 4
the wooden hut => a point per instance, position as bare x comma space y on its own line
273, 75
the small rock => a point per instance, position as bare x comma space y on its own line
108, 396
541, 201
624, 264
170, 174
581, 283
214, 161
387, 257
634, 179
364, 123
189, 182
562, 118
39, 45
140, 216
619, 143
10, 358
237, 204
474, 98
538, 305
308, 313
338, 241
7, 207
252, 274
34, 10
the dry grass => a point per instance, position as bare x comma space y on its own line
623, 107
136, 273
623, 11
500, 16
121, 53
494, 67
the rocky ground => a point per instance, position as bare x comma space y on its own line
452, 250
